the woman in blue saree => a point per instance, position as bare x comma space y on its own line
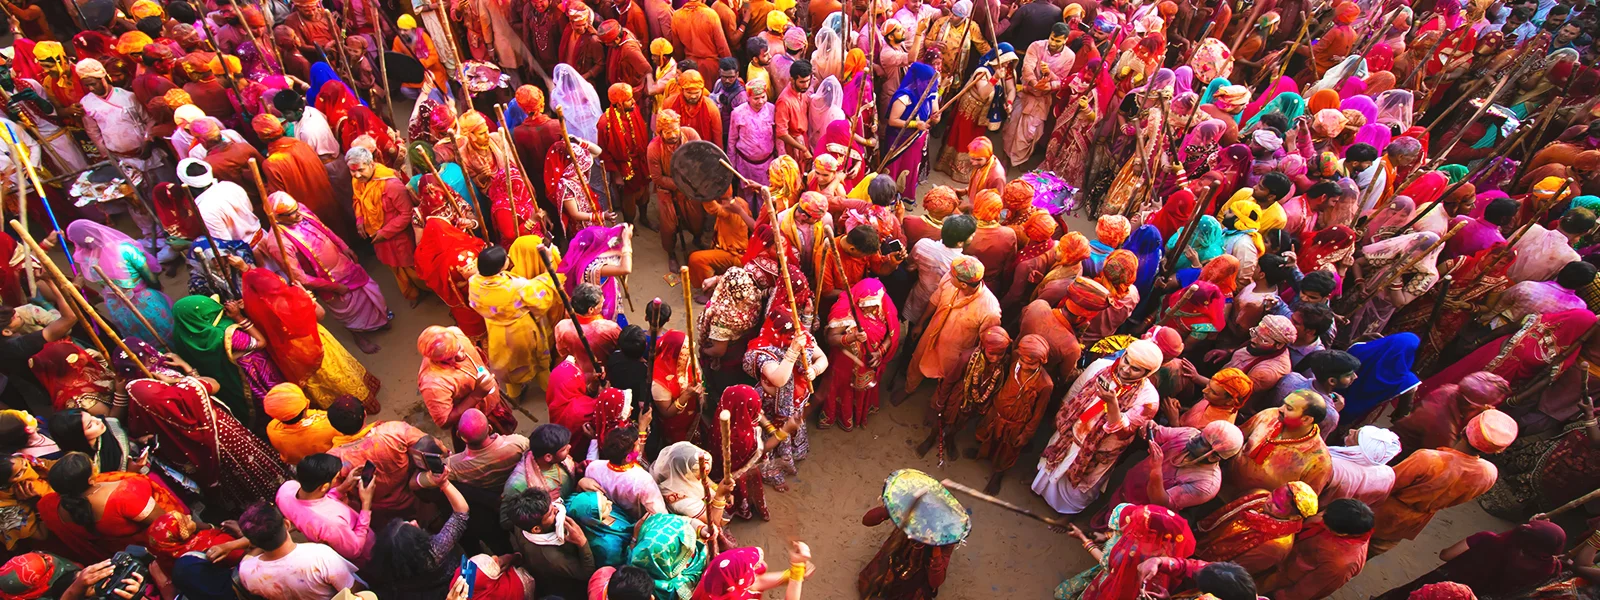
111, 258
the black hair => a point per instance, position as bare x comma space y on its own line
347, 416
728, 63
883, 191
1315, 317
549, 438
800, 68
618, 444
1362, 152
152, 27
586, 297
1577, 221
1277, 184
196, 169
262, 524
1524, 13
1316, 410
956, 229
755, 46
1277, 269
1226, 581
1329, 364
633, 341
1575, 274
1348, 516
1276, 121
402, 551
1320, 282
7, 313
1501, 211
66, 428
288, 101
526, 510
183, 12
687, 64
491, 261
657, 313
629, 583
1061, 28
317, 470
13, 433
1323, 189
1278, 240
863, 238
1594, 126
69, 477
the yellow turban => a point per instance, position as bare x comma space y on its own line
777, 22
660, 46
691, 80
406, 22
132, 42
145, 8
48, 51
285, 401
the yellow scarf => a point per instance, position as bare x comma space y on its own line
369, 199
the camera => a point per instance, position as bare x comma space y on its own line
134, 559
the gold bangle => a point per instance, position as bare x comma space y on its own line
1594, 540
797, 572
780, 434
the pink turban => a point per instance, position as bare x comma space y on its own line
1225, 438
1491, 431
1168, 339
1275, 330
1485, 388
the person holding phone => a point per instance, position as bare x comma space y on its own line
314, 502
407, 562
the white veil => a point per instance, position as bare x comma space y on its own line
827, 106
576, 98
828, 56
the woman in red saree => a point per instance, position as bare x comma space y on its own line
74, 379
442, 251
349, 120
512, 208
1256, 530
289, 322
743, 403
1138, 532
1197, 314
859, 352
1541, 342
126, 504
175, 534
232, 466
1473, 279
675, 388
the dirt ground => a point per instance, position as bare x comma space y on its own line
1006, 556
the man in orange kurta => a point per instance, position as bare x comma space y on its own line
1281, 445
694, 109
623, 139
697, 34
962, 308
672, 208
416, 43
292, 167
1432, 480
1337, 43
733, 224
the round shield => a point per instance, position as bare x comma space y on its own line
697, 169
97, 13
922, 508
403, 69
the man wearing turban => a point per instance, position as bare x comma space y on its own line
1282, 444
1017, 197
954, 35
993, 244
296, 430
1361, 467
987, 172
625, 60
580, 43
416, 43
1017, 408
1183, 469
1057, 325
118, 125
294, 168
970, 392
1266, 357
314, 25
206, 91
1336, 43
1104, 410
674, 210
1037, 256
693, 107
1220, 399
623, 139
383, 207
319, 259
698, 34
1436, 479
61, 83
963, 307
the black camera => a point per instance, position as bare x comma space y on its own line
135, 559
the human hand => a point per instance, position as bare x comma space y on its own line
1216, 356
1587, 404
458, 589
574, 533
219, 551
859, 337
1157, 456
790, 426
799, 553
366, 490
1147, 569
234, 309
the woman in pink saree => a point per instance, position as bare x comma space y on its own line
1541, 342
860, 352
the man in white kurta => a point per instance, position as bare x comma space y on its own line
224, 206
1105, 408
1045, 67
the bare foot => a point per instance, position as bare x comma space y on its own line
672, 262
927, 444
366, 345
781, 486
993, 487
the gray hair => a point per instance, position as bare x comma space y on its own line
358, 155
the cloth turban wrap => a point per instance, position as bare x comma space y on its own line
1375, 445
253, 17
473, 122
267, 127
531, 99
610, 31
1445, 590
1086, 297
198, 62
962, 9
1329, 122
204, 179
1072, 11
1270, 20
439, 343
981, 147
48, 51
691, 80
1231, 97
279, 203
1267, 139
184, 114
577, 11
89, 67
205, 129
474, 426
1033, 347
145, 8
1112, 230
1485, 388
660, 46
1039, 227
1168, 339
1235, 382
1302, 496
440, 121
777, 22
1143, 354
1277, 330
1120, 269
618, 93
987, 206
286, 401
1547, 187
1346, 13
794, 38
132, 42
815, 203
406, 22
994, 339
967, 269
1072, 248
668, 121
1017, 194
941, 200
825, 164
784, 5
1225, 438
1491, 431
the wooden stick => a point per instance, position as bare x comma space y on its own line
1471, 176
849, 295
725, 425
1053, 522
688, 320
129, 303
72, 291
272, 221
455, 197
550, 269
1396, 269
383, 64
1170, 261
705, 486
522, 171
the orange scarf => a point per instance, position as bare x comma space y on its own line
369, 199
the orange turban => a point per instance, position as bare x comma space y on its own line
980, 147
132, 41
1346, 13
1491, 431
1112, 230
279, 203
987, 206
1119, 271
267, 127
1018, 196
668, 121
1235, 382
1039, 227
285, 401
619, 92
994, 339
940, 201
176, 97
1072, 248
691, 80
531, 99
855, 61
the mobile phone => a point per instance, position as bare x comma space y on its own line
434, 462
891, 247
469, 572
144, 453
368, 471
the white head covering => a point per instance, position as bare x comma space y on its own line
1267, 139
962, 9
89, 67
827, 106
1374, 446
677, 469
574, 95
1144, 354
195, 181
186, 114
827, 58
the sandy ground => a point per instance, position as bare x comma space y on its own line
1006, 556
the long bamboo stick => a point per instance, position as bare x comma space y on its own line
72, 291
117, 291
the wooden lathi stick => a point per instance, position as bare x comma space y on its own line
1367, 292
76, 296
688, 323
126, 301
1053, 522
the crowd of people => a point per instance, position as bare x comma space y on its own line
1342, 277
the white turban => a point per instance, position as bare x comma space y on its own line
1267, 139
89, 67
204, 179
962, 9
1374, 446
186, 114
1144, 354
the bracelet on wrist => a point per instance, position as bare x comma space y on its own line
797, 572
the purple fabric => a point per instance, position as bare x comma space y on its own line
1477, 235
587, 246
1363, 105
1376, 134
96, 244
